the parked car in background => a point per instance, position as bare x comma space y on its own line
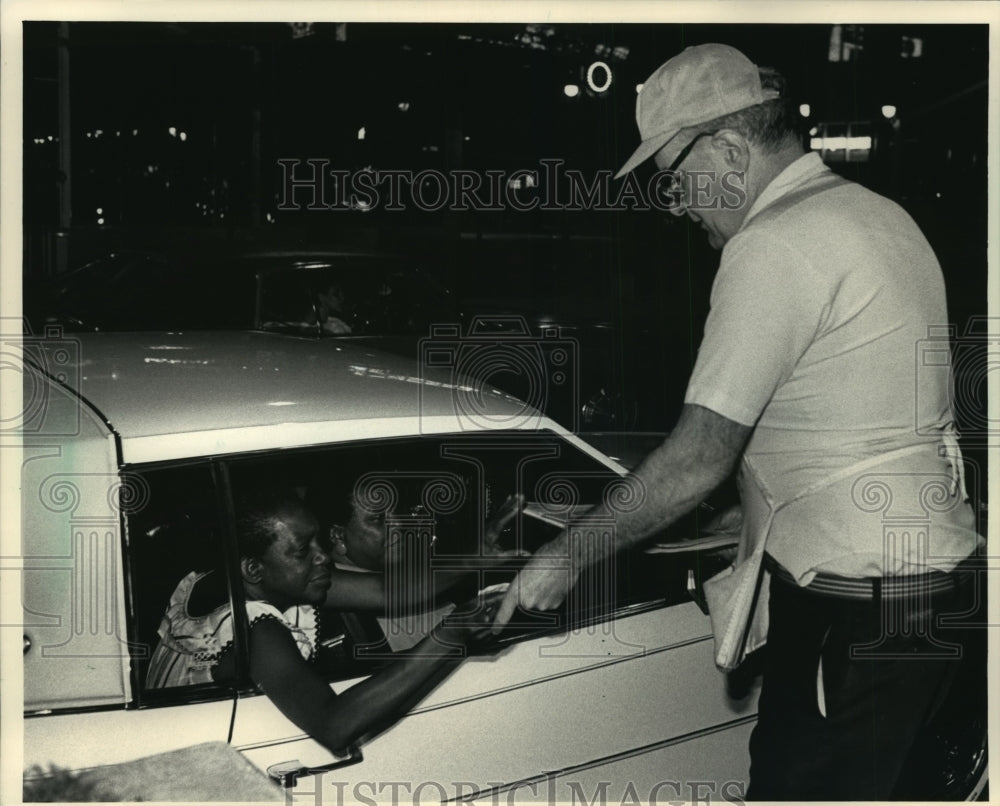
629, 352
135, 448
549, 326
372, 295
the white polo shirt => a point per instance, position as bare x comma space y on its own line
820, 320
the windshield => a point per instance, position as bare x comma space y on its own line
349, 296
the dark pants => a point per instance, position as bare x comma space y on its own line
886, 666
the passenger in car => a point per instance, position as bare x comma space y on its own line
417, 600
285, 565
330, 310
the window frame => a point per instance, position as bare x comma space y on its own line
220, 475
143, 697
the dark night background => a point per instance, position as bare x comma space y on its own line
480, 97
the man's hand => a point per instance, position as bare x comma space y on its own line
729, 521
697, 456
542, 584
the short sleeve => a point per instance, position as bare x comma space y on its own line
302, 621
766, 306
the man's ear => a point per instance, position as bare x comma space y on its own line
734, 148
251, 569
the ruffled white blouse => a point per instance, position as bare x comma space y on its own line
190, 646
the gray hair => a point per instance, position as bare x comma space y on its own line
770, 124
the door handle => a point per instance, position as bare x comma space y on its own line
695, 591
287, 773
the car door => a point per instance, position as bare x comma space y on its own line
631, 700
618, 688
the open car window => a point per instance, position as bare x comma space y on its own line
431, 497
178, 585
429, 500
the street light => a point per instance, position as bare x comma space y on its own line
599, 77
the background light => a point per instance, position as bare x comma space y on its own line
638, 88
599, 77
841, 143
805, 110
888, 111
571, 90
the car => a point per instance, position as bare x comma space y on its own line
135, 447
375, 298
378, 295
627, 336
586, 368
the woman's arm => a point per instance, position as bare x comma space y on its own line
337, 721
356, 591
367, 592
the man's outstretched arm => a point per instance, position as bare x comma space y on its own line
698, 455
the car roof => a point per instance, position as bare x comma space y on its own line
176, 394
240, 261
312, 254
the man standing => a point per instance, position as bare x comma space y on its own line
808, 374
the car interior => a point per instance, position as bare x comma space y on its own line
439, 515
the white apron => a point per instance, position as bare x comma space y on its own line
737, 596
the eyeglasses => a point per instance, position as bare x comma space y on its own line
672, 195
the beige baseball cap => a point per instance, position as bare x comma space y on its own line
701, 83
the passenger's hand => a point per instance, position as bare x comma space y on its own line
541, 585
481, 611
494, 529
473, 620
